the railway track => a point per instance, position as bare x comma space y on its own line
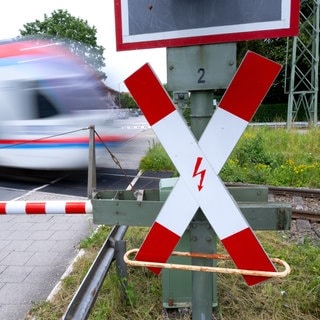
305, 214
305, 202
302, 192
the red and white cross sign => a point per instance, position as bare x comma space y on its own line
199, 162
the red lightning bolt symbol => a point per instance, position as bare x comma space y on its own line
196, 172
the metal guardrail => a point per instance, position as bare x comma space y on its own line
83, 300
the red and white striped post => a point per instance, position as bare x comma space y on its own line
198, 164
45, 207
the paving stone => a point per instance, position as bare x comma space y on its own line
3, 255
39, 273
15, 274
21, 226
19, 235
41, 235
5, 226
41, 245
61, 245
17, 258
42, 259
23, 294
5, 234
11, 312
4, 244
38, 226
2, 268
18, 245
63, 235
60, 226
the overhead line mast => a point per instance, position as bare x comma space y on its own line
302, 76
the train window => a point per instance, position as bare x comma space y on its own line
44, 107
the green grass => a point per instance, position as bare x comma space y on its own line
156, 159
262, 156
295, 297
275, 157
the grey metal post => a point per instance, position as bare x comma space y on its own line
120, 250
201, 110
199, 70
204, 284
202, 237
92, 180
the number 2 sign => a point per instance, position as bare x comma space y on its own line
194, 68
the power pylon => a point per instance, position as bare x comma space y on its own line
304, 70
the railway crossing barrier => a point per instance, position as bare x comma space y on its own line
45, 207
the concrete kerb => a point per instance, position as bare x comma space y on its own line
67, 273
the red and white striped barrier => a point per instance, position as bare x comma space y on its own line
197, 164
45, 207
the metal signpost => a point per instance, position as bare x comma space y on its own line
165, 23
216, 142
198, 201
198, 163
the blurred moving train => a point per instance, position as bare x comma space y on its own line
48, 99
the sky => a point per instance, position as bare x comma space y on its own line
98, 13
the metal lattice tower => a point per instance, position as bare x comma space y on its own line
303, 81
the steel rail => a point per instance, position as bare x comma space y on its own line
83, 300
305, 214
304, 192
313, 216
278, 190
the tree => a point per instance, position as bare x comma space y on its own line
75, 32
126, 101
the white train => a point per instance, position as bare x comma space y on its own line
48, 99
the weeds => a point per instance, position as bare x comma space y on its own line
262, 156
156, 159
275, 157
294, 297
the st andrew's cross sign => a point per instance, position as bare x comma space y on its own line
199, 163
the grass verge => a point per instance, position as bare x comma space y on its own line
275, 157
294, 297
263, 155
